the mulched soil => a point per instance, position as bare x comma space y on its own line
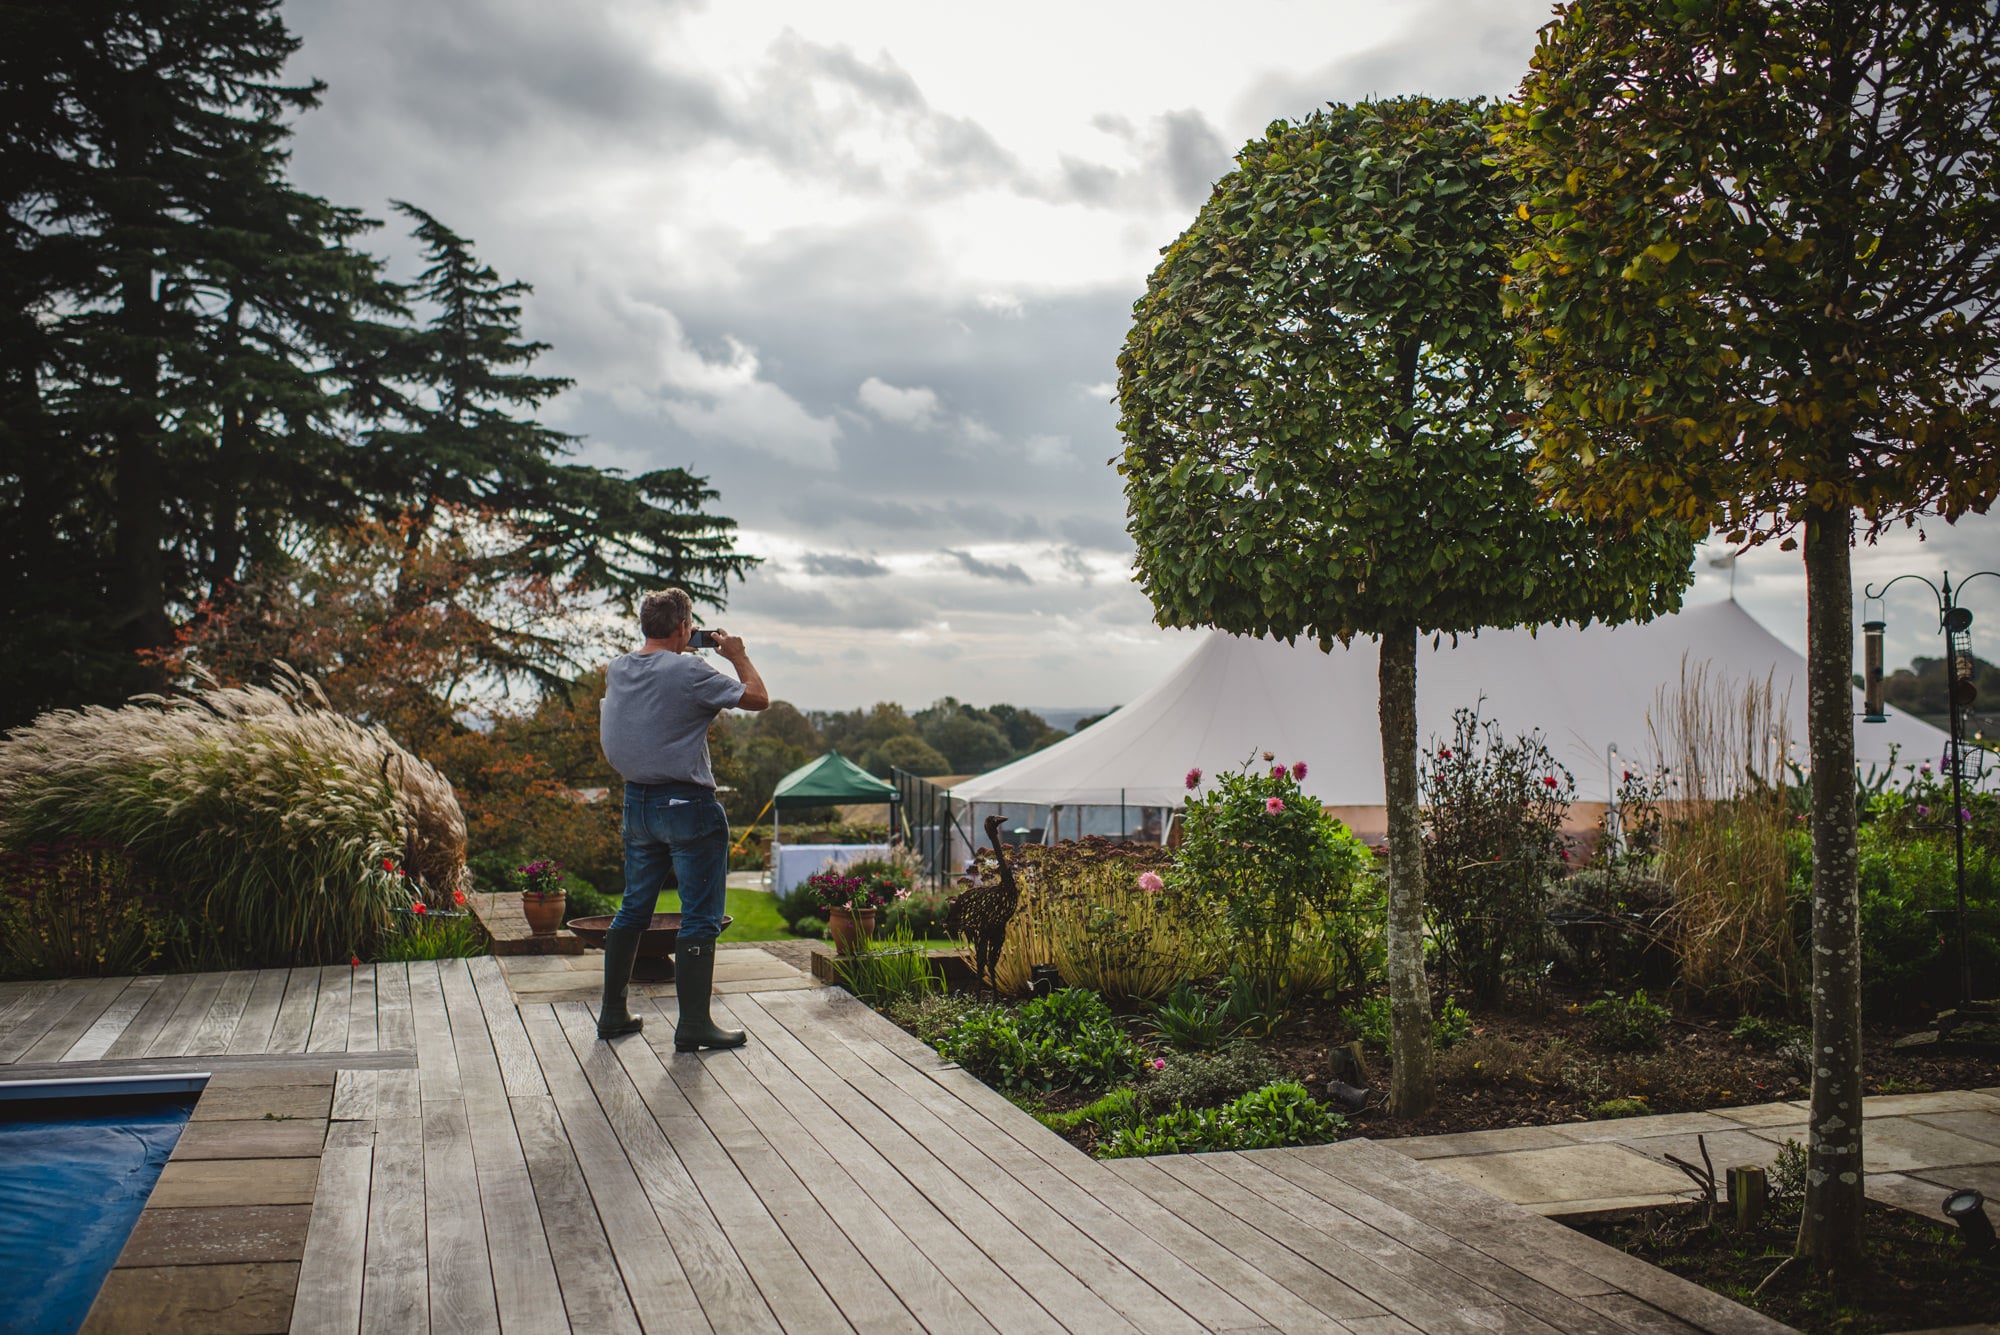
1534, 1064
1917, 1275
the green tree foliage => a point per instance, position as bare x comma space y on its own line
1318, 396
199, 369
1760, 289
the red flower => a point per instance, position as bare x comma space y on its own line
1564, 853
458, 896
1549, 779
1444, 753
419, 907
1628, 776
354, 962
388, 864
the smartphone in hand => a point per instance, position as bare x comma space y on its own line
704, 639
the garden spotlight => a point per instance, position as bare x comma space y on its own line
1966, 1207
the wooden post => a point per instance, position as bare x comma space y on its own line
1749, 1193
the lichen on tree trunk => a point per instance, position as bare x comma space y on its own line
1830, 1229
1410, 1088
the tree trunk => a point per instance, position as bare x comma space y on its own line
1830, 1229
1410, 1089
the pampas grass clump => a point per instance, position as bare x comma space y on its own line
278, 831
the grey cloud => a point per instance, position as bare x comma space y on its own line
1180, 156
1094, 531
844, 567
1193, 154
791, 605
1009, 573
1450, 48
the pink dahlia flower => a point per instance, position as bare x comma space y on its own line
1277, 771
1193, 778
1150, 882
1274, 805
1299, 771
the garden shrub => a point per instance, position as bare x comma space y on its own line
77, 910
433, 936
1368, 1019
1066, 1040
1261, 862
1111, 927
889, 967
1909, 927
275, 831
1205, 1079
1610, 924
584, 900
1726, 846
1493, 842
1611, 1109
1277, 1115
1490, 1060
1188, 1020
921, 915
1628, 1024
1115, 1111
931, 1016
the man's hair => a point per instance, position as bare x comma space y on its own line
663, 613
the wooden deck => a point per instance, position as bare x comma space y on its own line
484, 1163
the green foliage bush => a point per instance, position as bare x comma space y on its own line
1909, 932
1369, 1021
1275, 876
77, 911
1628, 1024
1205, 1079
1276, 1115
433, 936
1493, 842
1190, 1021
1066, 1040
933, 1015
889, 967
921, 915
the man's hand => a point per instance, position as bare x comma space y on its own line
731, 647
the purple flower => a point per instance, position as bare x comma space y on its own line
1193, 778
1159, 1063
1150, 882
1278, 771
1274, 805
1964, 815
1299, 771
1923, 810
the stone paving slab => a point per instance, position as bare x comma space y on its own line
1939, 1101
216, 1235
1900, 1144
1941, 1182
1640, 1128
1481, 1142
249, 1299
198, 1182
1735, 1148
1767, 1114
1566, 1173
1979, 1126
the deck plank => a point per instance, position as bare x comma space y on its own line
260, 1014
795, 1295
293, 1024
722, 1284
932, 1157
91, 1001
179, 1030
526, 1293
395, 1289
394, 1030
661, 1293
217, 1027
119, 1016
593, 1292
518, 1067
329, 1025
437, 1063
461, 1274
865, 1301
329, 1297
29, 1018
361, 1032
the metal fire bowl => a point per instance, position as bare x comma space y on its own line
656, 944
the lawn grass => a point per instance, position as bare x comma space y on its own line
755, 913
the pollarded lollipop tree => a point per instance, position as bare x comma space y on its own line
1319, 397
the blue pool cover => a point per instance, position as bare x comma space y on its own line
74, 1174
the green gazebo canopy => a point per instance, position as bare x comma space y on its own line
832, 780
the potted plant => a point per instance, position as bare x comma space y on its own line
850, 903
542, 896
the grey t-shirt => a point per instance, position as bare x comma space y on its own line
654, 721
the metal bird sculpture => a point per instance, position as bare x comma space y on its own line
981, 914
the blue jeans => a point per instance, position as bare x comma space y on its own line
679, 825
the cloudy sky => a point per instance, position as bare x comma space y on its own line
866, 266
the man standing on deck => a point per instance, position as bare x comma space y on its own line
658, 703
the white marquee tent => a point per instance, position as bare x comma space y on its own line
1235, 698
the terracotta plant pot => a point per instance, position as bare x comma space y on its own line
849, 929
544, 912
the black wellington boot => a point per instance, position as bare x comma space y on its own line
694, 975
621, 947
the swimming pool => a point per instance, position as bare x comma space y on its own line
77, 1160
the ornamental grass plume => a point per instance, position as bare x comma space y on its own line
276, 830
